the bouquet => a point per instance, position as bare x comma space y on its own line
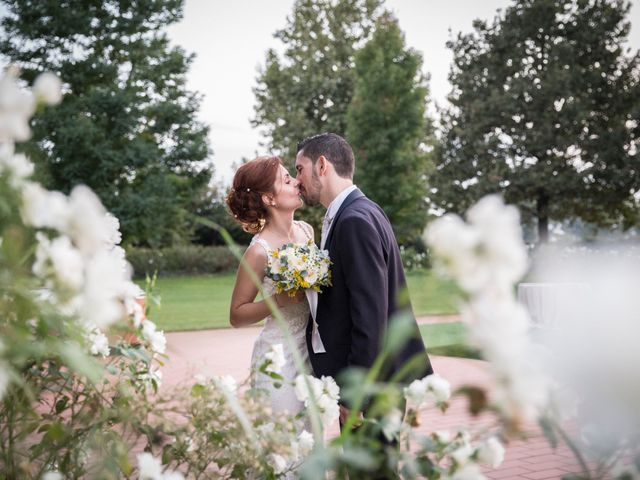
299, 266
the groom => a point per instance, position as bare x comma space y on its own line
352, 316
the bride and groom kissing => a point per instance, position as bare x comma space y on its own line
344, 325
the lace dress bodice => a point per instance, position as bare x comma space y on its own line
296, 317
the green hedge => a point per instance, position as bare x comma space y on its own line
181, 260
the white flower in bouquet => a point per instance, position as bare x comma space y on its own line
16, 108
295, 267
48, 88
276, 359
156, 338
491, 452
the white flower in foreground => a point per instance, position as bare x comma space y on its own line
200, 379
153, 375
63, 258
4, 377
276, 359
440, 387
443, 436
485, 253
278, 462
43, 208
105, 286
16, 108
48, 88
462, 454
227, 382
156, 338
324, 390
150, 468
98, 343
172, 476
89, 225
470, 471
416, 393
392, 423
491, 452
52, 476
116, 236
17, 165
305, 443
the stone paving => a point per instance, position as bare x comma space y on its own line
228, 351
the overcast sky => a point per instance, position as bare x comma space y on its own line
230, 39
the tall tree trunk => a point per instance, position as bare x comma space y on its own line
542, 210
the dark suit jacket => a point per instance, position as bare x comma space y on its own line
367, 278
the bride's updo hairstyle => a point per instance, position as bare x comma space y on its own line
251, 181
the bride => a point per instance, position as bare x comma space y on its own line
263, 199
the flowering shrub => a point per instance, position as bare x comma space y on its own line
68, 374
79, 377
412, 259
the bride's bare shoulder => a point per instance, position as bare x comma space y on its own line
255, 253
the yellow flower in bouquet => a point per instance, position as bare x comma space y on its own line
299, 266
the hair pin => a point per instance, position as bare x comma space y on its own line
248, 189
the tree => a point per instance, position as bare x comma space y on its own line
389, 130
309, 89
126, 126
544, 110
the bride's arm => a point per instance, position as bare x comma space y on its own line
244, 309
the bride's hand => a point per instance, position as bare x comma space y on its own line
283, 299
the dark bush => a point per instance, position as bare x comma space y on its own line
181, 260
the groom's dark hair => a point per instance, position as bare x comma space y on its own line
334, 148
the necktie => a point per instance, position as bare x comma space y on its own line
326, 225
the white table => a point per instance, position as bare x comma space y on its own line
548, 303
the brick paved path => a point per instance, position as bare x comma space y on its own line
228, 351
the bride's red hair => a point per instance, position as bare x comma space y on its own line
251, 181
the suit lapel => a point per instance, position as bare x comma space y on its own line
347, 201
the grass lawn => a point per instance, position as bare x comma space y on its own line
202, 302
447, 339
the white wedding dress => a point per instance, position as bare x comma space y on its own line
296, 317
